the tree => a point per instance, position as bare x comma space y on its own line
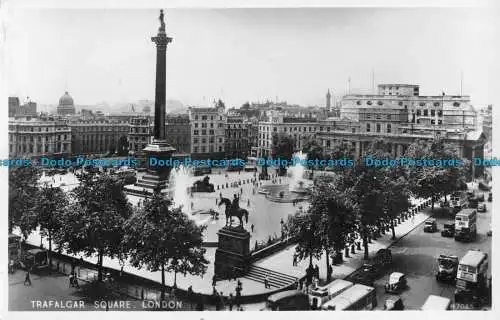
337, 217
50, 205
23, 186
93, 223
283, 147
313, 150
395, 194
434, 181
162, 239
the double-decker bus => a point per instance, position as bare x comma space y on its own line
471, 277
322, 294
357, 297
458, 200
465, 225
436, 303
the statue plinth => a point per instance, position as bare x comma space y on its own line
156, 176
232, 257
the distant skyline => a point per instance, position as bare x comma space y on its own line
242, 55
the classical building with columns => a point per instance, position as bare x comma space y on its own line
98, 136
36, 137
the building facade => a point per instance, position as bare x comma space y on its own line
14, 105
33, 137
237, 144
207, 132
66, 105
29, 109
139, 135
178, 131
300, 129
98, 136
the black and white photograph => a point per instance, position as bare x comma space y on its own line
249, 159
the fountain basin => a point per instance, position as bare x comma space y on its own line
282, 193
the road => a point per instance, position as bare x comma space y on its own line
416, 256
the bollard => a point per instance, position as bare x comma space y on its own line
353, 249
369, 239
358, 245
347, 252
399, 220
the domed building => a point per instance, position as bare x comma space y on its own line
146, 109
66, 105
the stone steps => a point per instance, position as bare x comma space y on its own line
276, 279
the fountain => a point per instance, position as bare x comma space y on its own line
180, 182
297, 173
293, 192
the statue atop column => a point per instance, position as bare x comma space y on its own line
162, 21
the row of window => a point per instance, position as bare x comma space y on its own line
32, 138
204, 149
203, 132
426, 112
30, 148
204, 140
378, 128
196, 117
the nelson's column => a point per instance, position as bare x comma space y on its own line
157, 177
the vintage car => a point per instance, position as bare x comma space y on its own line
430, 225
473, 203
394, 303
447, 267
35, 259
448, 230
481, 207
444, 204
396, 284
490, 197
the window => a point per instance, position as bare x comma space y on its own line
380, 103
203, 117
195, 149
400, 103
369, 103
389, 128
284, 129
418, 120
203, 132
368, 116
426, 112
378, 116
419, 112
433, 113
195, 132
456, 104
367, 127
203, 140
211, 125
440, 121
440, 113
275, 129
433, 122
211, 132
211, 117
422, 104
378, 127
196, 125
203, 149
220, 148
388, 117
436, 104
203, 125
195, 117
358, 103
353, 130
195, 140
220, 140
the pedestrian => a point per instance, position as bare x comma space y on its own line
191, 205
230, 302
294, 260
251, 227
238, 297
214, 281
222, 300
316, 271
248, 203
27, 279
266, 283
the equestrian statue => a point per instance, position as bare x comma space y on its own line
233, 210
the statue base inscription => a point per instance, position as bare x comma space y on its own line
232, 257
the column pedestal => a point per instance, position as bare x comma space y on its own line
232, 257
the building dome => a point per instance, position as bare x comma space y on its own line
66, 100
66, 105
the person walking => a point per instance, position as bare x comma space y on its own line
214, 281
266, 283
230, 302
294, 260
27, 278
251, 227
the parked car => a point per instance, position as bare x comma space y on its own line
444, 204
397, 283
430, 225
481, 207
394, 303
448, 230
473, 203
480, 198
490, 197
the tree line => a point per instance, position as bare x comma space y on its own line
95, 219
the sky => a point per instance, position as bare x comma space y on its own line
239, 55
